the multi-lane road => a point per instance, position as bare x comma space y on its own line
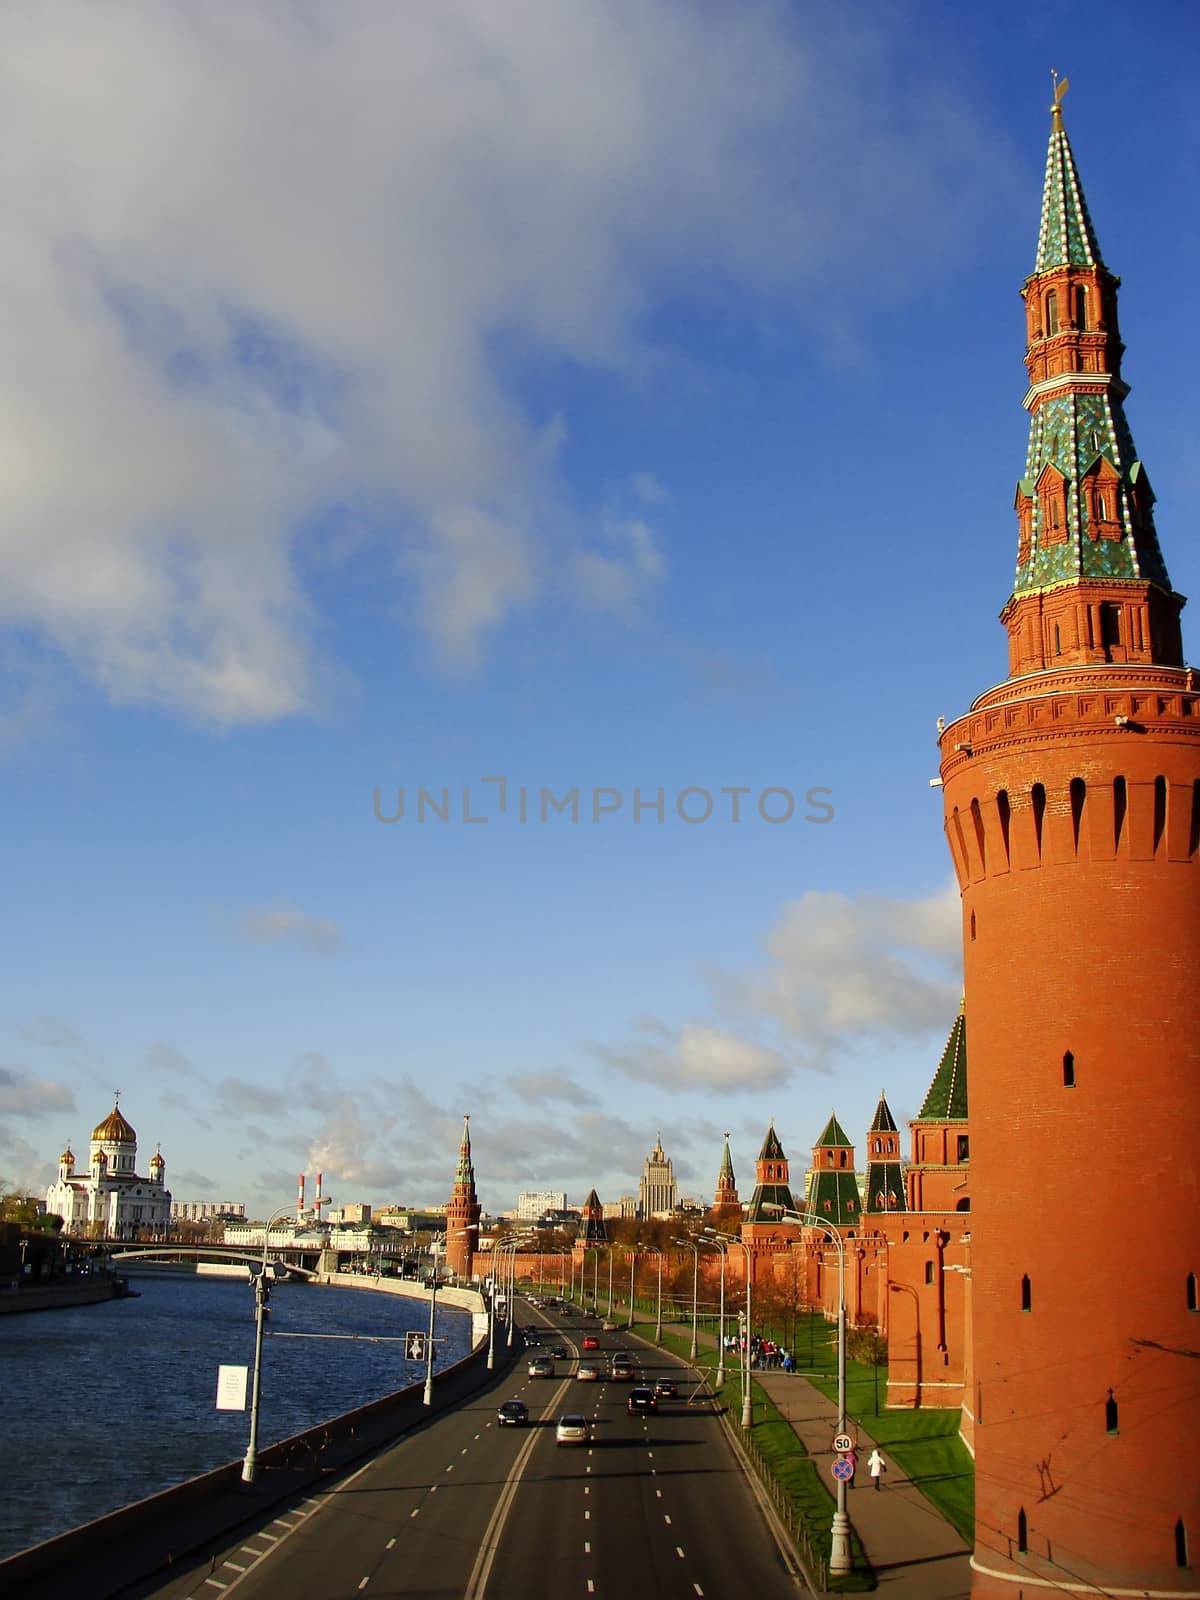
655, 1505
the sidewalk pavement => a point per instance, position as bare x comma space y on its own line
915, 1553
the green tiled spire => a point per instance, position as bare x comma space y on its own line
466, 1172
1066, 237
834, 1134
834, 1197
947, 1097
883, 1121
771, 1150
1078, 425
726, 1173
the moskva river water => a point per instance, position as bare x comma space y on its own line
109, 1403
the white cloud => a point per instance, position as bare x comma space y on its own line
269, 268
22, 1095
700, 1056
286, 925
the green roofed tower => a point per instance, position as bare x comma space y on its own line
833, 1188
1091, 586
885, 1176
772, 1193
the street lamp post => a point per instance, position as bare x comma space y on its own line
718, 1244
261, 1294
633, 1255
747, 1404
690, 1244
609, 1308
839, 1553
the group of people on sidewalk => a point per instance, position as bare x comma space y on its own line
876, 1466
765, 1355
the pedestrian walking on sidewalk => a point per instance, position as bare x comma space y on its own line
852, 1458
877, 1466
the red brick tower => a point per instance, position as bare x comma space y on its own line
1072, 806
725, 1200
462, 1212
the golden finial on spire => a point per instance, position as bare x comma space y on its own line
1060, 88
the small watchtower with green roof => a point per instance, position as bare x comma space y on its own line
833, 1188
885, 1176
941, 1147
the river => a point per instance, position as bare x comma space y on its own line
106, 1404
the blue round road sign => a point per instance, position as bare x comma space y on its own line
843, 1469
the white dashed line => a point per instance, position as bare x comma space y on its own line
248, 1549
666, 1519
389, 1544
591, 1587
679, 1552
658, 1492
464, 1450
412, 1513
587, 1547
364, 1583
697, 1588
233, 1564
587, 1516
450, 1468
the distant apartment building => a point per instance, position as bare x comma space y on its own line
206, 1210
349, 1215
533, 1204
626, 1206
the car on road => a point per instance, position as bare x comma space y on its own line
513, 1414
621, 1371
590, 1342
572, 1429
641, 1399
561, 1352
588, 1372
541, 1367
608, 1326
666, 1388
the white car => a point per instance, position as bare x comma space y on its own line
572, 1429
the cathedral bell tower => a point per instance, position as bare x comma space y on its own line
1072, 812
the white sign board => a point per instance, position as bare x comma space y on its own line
231, 1388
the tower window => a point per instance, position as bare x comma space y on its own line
1038, 797
1120, 802
1192, 1303
1160, 810
1004, 811
1068, 1070
929, 1272
964, 1146
1110, 1414
1110, 626
1026, 1294
1051, 314
841, 1158
1101, 508
1078, 796
1181, 1550
1022, 1532
1057, 637
1080, 299
972, 924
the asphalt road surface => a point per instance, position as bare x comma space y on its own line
654, 1506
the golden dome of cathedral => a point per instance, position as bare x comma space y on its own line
114, 1130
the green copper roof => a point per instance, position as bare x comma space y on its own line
727, 1165
769, 1195
834, 1134
1072, 434
885, 1186
1066, 237
466, 1173
947, 1097
594, 1231
883, 1122
771, 1150
834, 1197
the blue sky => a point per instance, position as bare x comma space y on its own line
615, 398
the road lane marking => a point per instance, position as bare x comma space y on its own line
251, 1551
587, 1516
666, 1519
364, 1583
658, 1492
232, 1564
389, 1544
591, 1587
697, 1588
586, 1489
450, 1468
587, 1547
412, 1513
679, 1552
215, 1584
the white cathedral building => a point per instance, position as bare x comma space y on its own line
111, 1200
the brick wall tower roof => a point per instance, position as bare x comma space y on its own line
947, 1097
726, 1196
833, 1189
771, 1186
593, 1230
1086, 539
885, 1176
